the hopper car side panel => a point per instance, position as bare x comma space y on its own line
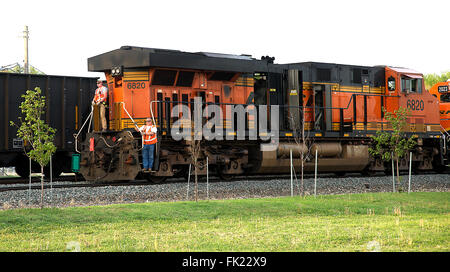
68, 102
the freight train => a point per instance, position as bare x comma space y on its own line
252, 115
68, 101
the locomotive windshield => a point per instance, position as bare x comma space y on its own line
445, 98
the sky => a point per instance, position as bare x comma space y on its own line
64, 34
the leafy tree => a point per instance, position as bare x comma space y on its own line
38, 136
17, 68
431, 79
393, 143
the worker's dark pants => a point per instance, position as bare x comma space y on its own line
147, 155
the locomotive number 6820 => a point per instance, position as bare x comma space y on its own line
136, 85
417, 104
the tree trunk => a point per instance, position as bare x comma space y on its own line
196, 186
301, 185
398, 175
303, 153
42, 186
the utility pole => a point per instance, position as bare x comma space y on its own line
26, 62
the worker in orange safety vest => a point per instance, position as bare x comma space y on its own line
149, 139
101, 94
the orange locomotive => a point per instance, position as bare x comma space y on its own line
339, 107
441, 91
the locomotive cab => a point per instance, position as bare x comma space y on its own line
406, 88
441, 91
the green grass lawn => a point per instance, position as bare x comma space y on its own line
362, 222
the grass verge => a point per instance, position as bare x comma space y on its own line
358, 222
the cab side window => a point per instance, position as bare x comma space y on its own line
411, 85
406, 85
419, 85
391, 84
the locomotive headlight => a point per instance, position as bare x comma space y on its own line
116, 71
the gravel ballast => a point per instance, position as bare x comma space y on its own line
250, 187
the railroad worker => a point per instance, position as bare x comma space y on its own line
101, 94
148, 132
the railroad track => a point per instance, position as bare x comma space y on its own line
17, 184
74, 185
19, 180
82, 184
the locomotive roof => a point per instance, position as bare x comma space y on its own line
136, 57
404, 70
330, 64
141, 57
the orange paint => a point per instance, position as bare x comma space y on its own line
441, 91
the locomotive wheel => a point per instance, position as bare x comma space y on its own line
79, 177
368, 173
180, 173
222, 176
22, 170
185, 174
22, 167
156, 179
56, 169
192, 179
440, 168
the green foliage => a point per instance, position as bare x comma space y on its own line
395, 141
16, 69
20, 70
37, 134
393, 145
431, 79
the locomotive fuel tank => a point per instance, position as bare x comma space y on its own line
333, 157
